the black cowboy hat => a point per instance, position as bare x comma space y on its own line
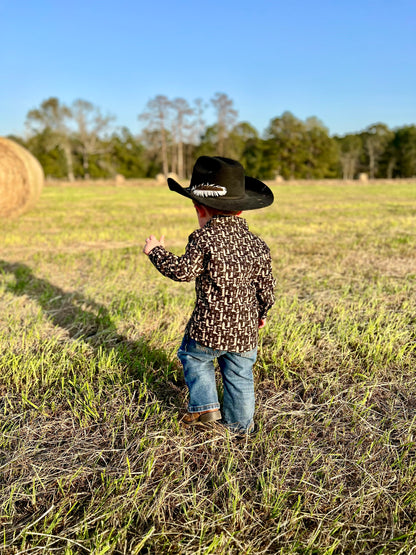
220, 183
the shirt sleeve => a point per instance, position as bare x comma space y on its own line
265, 285
179, 268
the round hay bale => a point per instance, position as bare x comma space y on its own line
21, 179
119, 179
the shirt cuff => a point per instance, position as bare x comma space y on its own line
153, 254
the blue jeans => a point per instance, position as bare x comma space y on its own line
237, 377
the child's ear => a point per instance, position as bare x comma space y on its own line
200, 210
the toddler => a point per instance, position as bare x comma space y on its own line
234, 290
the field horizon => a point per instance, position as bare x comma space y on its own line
93, 456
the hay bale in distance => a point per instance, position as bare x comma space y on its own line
21, 179
119, 179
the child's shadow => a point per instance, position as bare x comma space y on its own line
85, 319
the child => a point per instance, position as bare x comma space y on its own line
234, 290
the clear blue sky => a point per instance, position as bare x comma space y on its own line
351, 63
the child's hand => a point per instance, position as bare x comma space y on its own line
151, 242
262, 323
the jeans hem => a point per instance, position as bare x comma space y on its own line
203, 408
237, 428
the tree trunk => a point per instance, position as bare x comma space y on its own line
86, 164
173, 159
180, 159
371, 161
390, 168
221, 140
68, 157
164, 153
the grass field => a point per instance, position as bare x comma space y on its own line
92, 456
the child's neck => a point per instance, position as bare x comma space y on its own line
202, 220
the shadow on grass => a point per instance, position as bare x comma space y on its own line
91, 322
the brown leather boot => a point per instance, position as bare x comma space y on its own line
201, 417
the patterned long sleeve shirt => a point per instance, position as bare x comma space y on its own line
233, 282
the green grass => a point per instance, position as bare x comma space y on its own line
93, 458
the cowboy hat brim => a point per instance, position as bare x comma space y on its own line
257, 195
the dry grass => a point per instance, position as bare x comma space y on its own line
93, 458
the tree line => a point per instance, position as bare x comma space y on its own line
79, 141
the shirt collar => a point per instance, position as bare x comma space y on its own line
225, 220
